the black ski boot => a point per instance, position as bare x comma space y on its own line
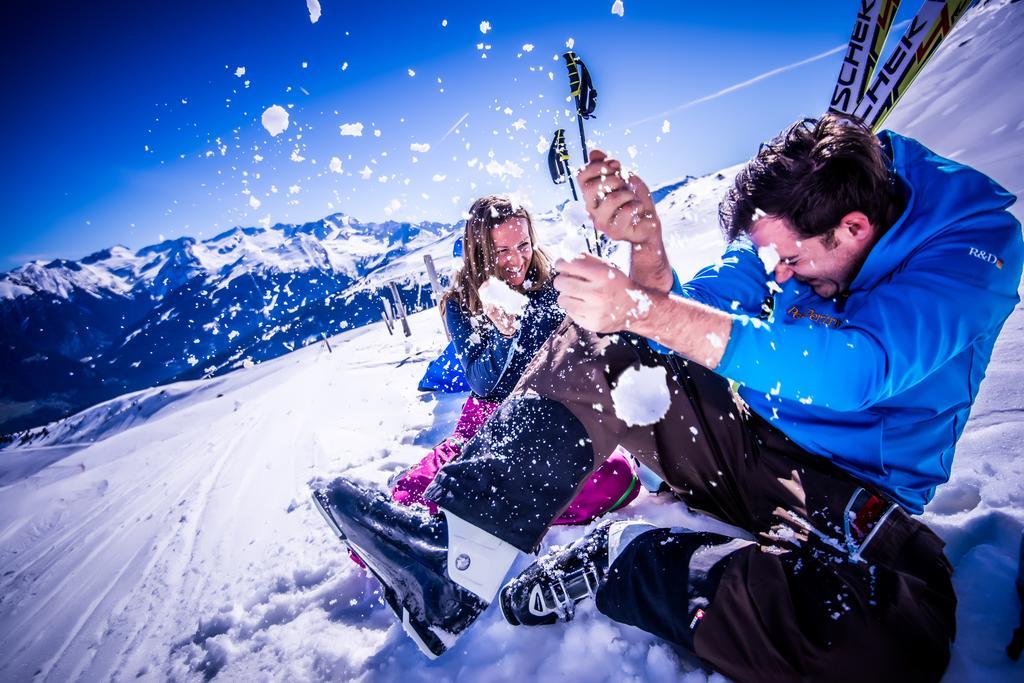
547, 591
407, 551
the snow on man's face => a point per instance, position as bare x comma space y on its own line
829, 263
513, 249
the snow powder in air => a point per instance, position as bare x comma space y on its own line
641, 396
353, 129
769, 257
499, 294
275, 119
314, 10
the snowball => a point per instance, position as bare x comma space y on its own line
420, 147
769, 257
641, 396
353, 129
275, 120
335, 165
617, 8
499, 294
314, 10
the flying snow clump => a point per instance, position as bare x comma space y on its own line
499, 294
485, 26
769, 257
335, 165
421, 147
666, 126
641, 396
314, 10
502, 170
617, 8
275, 119
353, 129
240, 71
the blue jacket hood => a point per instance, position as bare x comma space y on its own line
939, 195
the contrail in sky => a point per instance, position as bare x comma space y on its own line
747, 83
454, 126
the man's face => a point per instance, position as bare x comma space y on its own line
827, 266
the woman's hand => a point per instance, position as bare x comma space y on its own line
506, 323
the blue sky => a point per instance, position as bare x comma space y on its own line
127, 125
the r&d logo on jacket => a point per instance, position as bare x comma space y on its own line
987, 257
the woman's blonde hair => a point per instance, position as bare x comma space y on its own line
479, 256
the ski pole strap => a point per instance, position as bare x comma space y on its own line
558, 158
580, 85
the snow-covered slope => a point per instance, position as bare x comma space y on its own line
167, 534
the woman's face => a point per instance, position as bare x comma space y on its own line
513, 249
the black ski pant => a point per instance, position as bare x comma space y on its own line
841, 584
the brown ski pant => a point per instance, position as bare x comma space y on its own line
840, 585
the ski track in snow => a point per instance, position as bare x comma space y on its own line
182, 545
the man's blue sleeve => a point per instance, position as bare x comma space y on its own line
946, 298
483, 351
736, 283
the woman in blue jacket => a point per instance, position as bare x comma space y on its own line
494, 346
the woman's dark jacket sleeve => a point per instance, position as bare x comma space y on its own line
492, 361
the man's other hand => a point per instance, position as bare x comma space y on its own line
599, 297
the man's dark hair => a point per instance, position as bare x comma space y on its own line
811, 175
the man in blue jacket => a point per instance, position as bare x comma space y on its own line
856, 307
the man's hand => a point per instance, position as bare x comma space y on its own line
599, 297
620, 208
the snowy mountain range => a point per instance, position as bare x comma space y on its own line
167, 534
78, 332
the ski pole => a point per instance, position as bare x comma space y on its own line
582, 88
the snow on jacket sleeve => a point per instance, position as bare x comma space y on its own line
483, 351
954, 291
736, 283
